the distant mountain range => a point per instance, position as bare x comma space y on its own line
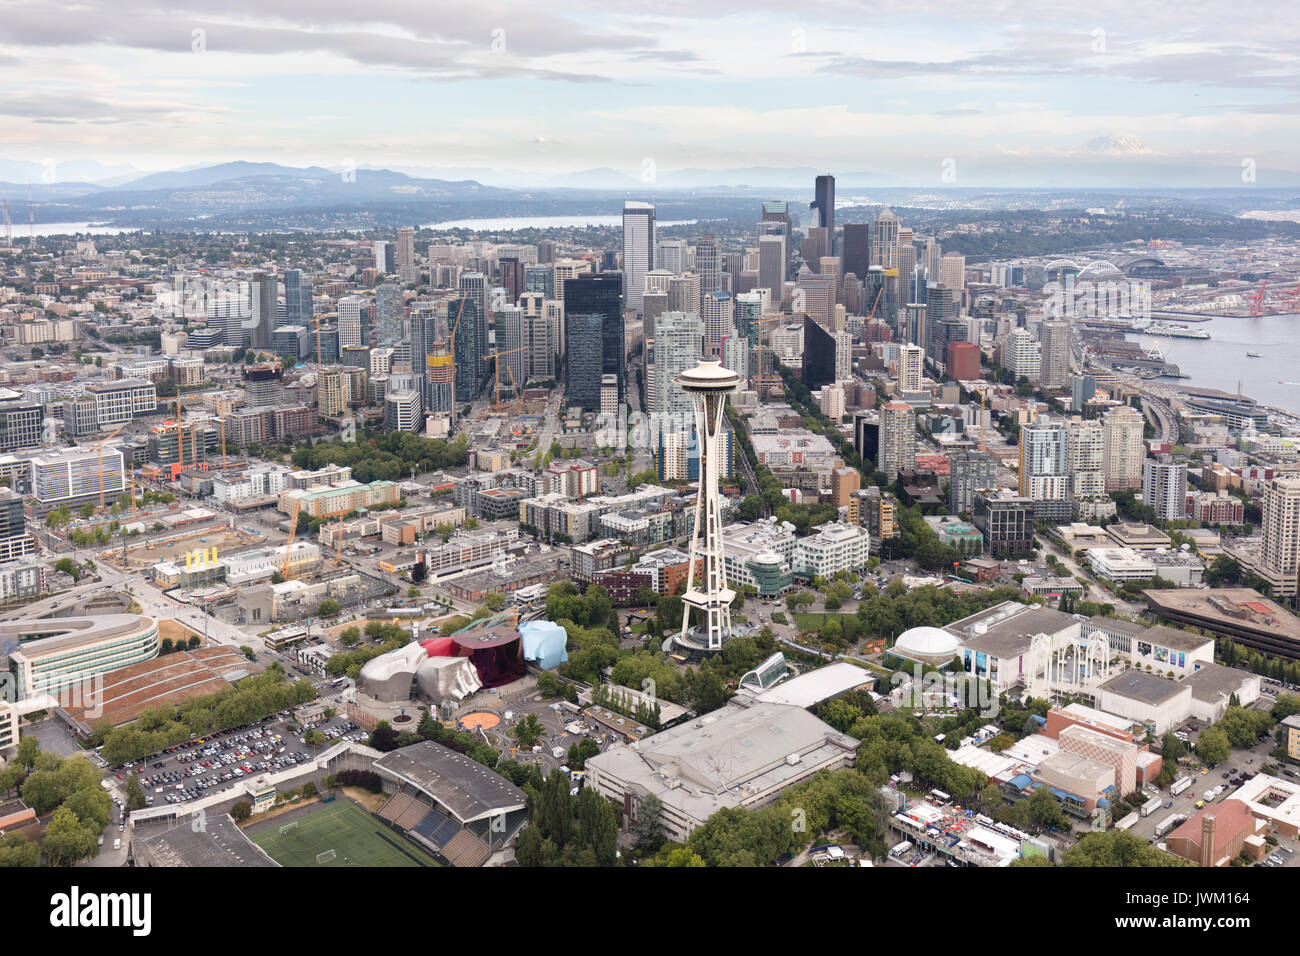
270, 196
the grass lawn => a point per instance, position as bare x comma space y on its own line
813, 622
356, 837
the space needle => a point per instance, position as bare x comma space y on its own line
707, 593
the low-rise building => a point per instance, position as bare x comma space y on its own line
734, 757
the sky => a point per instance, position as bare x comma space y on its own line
916, 91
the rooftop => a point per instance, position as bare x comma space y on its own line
1139, 685
465, 787
1214, 682
219, 843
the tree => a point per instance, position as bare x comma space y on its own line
17, 850
313, 738
69, 567
241, 811
350, 636
87, 510
1171, 748
494, 601
597, 826
529, 730
990, 799
328, 608
1213, 746
67, 840
29, 748
134, 794
248, 652
1045, 809
579, 752
648, 810
412, 592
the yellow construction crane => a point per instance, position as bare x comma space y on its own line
761, 323
496, 370
99, 455
288, 544
222, 420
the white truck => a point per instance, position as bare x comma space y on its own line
1168, 823
1151, 806
1179, 786
1127, 822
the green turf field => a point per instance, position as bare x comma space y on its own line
356, 837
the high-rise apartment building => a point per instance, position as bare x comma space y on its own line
952, 273
718, 313
1055, 338
1279, 553
911, 363
679, 345
970, 470
405, 246
1086, 458
1021, 356
897, 439
1044, 469
351, 325
388, 314
1164, 488
1124, 452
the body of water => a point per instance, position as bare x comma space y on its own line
511, 223
22, 229
1221, 361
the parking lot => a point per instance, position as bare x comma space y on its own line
221, 760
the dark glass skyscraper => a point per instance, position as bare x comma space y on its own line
856, 248
824, 203
466, 318
593, 320
265, 289
818, 354
512, 278
297, 299
540, 278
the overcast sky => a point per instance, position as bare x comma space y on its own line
564, 87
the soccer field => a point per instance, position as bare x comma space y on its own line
356, 837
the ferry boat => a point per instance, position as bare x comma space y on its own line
1176, 331
1253, 355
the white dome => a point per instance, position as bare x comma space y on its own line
927, 642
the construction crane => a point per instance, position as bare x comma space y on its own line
99, 455
222, 419
759, 378
294, 508
496, 371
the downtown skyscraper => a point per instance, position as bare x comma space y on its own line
824, 204
638, 250
593, 323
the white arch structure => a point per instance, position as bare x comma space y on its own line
1072, 666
